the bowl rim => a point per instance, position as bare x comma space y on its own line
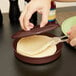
33, 60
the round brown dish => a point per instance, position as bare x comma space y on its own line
41, 60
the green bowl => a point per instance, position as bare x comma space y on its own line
67, 24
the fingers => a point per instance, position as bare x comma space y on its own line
73, 42
27, 23
25, 18
72, 39
21, 19
44, 20
29, 10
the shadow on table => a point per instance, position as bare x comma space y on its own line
49, 69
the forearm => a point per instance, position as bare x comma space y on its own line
65, 0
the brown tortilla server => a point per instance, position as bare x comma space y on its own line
40, 31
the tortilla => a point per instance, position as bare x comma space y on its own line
35, 46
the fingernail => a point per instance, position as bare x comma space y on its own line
27, 29
41, 25
31, 25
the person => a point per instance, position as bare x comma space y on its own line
42, 7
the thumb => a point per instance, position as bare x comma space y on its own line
73, 42
44, 20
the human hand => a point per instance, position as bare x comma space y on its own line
72, 36
41, 6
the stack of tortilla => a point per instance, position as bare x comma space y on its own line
36, 46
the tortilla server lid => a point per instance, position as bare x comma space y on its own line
35, 31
